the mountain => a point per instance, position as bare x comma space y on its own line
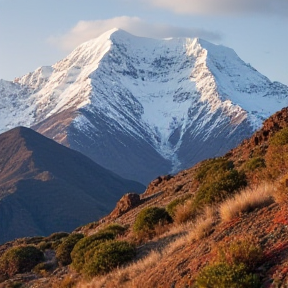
143, 107
46, 187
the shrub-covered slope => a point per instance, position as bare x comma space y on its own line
223, 223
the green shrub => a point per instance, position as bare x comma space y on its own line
56, 236
149, 217
114, 228
217, 180
211, 167
65, 248
86, 246
223, 275
277, 154
280, 138
107, 256
31, 240
254, 163
44, 267
244, 251
20, 259
52, 241
223, 185
172, 206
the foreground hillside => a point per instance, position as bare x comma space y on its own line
225, 218
46, 187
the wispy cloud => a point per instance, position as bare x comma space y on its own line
223, 7
86, 30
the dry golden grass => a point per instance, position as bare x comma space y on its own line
203, 224
183, 212
123, 277
132, 275
246, 201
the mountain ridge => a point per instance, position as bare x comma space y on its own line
178, 101
46, 187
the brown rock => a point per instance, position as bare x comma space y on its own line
126, 203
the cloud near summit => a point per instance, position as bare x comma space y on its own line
86, 30
223, 7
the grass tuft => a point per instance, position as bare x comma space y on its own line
246, 201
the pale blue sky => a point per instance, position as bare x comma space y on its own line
34, 33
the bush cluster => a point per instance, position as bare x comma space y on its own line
218, 180
277, 154
172, 206
107, 256
20, 259
254, 163
223, 275
65, 248
85, 247
234, 267
280, 138
115, 229
52, 241
149, 217
100, 253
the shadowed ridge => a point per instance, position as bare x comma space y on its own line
46, 187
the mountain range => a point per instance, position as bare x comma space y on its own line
143, 107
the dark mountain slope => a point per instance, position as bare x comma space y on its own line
46, 187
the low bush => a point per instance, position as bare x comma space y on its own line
223, 275
56, 236
107, 256
20, 259
280, 138
65, 248
85, 247
114, 228
44, 268
223, 185
211, 167
149, 217
254, 163
245, 251
277, 154
172, 206
234, 265
52, 241
217, 180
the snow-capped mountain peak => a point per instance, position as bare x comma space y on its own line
163, 96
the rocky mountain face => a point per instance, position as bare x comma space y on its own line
143, 107
46, 187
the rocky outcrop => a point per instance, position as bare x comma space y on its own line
260, 139
126, 203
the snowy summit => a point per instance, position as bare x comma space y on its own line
143, 107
